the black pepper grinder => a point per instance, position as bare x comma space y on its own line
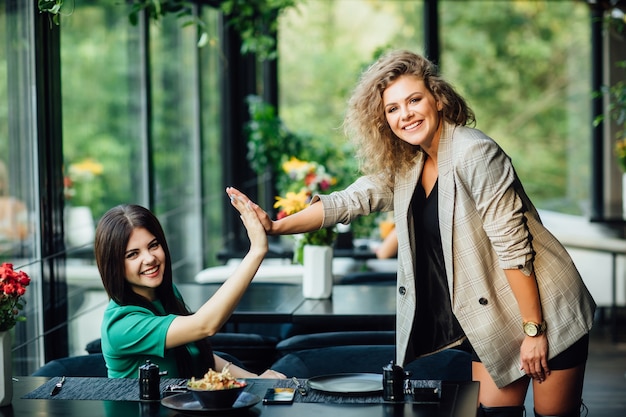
393, 382
150, 382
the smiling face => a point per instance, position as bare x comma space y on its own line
412, 112
144, 263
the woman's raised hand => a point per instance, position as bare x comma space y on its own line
256, 230
264, 218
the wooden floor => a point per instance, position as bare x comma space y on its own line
604, 392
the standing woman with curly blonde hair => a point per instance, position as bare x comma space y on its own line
477, 270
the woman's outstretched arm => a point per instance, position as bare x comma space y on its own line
303, 221
214, 313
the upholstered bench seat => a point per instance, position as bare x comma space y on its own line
447, 365
329, 339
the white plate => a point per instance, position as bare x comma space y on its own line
359, 383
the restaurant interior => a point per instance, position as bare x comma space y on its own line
165, 103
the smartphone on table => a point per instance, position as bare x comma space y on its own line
279, 396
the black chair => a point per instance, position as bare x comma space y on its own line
447, 365
91, 365
253, 352
328, 339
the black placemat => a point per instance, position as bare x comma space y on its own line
315, 396
111, 389
127, 389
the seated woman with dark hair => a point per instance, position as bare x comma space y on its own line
146, 318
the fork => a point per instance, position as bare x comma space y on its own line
58, 386
299, 386
408, 387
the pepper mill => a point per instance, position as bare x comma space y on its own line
393, 382
150, 382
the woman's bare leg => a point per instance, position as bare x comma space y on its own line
561, 393
490, 395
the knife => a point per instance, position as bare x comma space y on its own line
58, 386
299, 386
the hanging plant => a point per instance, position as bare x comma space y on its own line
269, 140
256, 22
53, 8
183, 10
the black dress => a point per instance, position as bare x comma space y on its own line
434, 325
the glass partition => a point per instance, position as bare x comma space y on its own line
175, 141
103, 102
19, 198
211, 166
140, 125
525, 69
323, 48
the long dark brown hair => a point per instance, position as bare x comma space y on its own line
112, 235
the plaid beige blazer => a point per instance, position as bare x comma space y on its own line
487, 224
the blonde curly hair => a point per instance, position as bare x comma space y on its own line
379, 151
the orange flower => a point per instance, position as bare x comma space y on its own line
292, 202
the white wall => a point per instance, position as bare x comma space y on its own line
595, 265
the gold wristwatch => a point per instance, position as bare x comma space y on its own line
533, 329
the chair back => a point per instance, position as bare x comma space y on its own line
91, 365
447, 365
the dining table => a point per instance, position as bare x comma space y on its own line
351, 305
108, 397
361, 252
285, 303
260, 303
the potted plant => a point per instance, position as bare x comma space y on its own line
312, 249
12, 288
616, 110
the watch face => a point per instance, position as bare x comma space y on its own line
531, 329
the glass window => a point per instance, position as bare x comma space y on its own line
523, 66
147, 132
525, 69
175, 141
104, 144
103, 86
185, 140
19, 199
342, 38
211, 59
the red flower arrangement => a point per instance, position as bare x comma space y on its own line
12, 287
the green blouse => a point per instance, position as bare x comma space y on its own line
132, 334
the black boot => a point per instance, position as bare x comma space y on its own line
582, 412
572, 414
512, 411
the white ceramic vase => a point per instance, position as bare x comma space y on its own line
80, 227
624, 195
317, 280
6, 369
